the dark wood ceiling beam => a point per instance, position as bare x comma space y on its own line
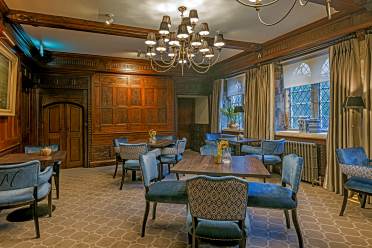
343, 5
69, 23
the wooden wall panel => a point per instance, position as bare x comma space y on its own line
128, 105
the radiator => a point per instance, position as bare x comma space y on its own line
309, 152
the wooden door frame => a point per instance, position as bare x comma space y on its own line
56, 96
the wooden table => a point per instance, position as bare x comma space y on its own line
16, 158
157, 144
240, 166
238, 142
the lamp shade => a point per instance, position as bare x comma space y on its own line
356, 102
164, 28
151, 39
167, 20
194, 18
219, 41
238, 109
204, 30
182, 32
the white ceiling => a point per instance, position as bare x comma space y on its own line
234, 20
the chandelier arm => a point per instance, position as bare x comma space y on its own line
281, 19
303, 3
155, 69
257, 6
217, 59
162, 66
165, 62
199, 65
201, 71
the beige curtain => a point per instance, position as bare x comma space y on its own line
216, 105
366, 130
345, 80
259, 103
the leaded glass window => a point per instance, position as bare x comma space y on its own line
300, 103
324, 104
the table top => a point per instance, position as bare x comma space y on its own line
16, 158
240, 166
157, 144
235, 140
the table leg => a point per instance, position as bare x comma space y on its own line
237, 149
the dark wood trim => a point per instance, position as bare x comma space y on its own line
69, 23
342, 5
3, 7
322, 32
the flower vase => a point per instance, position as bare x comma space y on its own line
226, 156
152, 140
218, 158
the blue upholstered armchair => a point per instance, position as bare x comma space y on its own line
356, 170
130, 153
267, 195
270, 152
166, 137
158, 191
24, 184
172, 155
116, 143
217, 209
56, 165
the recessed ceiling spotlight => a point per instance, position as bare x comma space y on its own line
109, 18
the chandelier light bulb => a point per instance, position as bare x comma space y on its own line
150, 52
161, 46
151, 39
182, 61
209, 54
109, 19
195, 40
166, 38
219, 41
204, 48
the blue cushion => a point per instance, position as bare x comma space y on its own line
217, 229
360, 184
269, 159
171, 159
132, 164
168, 192
267, 195
251, 149
19, 196
354, 155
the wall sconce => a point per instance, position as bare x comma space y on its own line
354, 102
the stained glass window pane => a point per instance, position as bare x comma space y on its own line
300, 103
324, 101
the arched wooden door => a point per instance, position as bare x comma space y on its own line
63, 125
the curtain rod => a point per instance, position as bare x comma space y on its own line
299, 53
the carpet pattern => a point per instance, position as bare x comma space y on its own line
93, 212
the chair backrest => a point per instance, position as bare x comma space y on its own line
273, 147
116, 143
149, 168
166, 137
132, 151
181, 145
292, 171
217, 198
33, 149
352, 156
208, 150
211, 136
19, 176
54, 147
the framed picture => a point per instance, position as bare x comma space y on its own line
8, 81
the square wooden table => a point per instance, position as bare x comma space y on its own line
17, 158
240, 166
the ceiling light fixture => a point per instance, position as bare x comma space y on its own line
259, 4
109, 18
187, 46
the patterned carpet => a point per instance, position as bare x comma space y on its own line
93, 212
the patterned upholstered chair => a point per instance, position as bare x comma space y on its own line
217, 209
130, 153
356, 170
158, 191
24, 184
270, 152
116, 143
267, 195
172, 155
56, 165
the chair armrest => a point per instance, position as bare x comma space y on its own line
156, 151
357, 171
45, 175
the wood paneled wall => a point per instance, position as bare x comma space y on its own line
128, 106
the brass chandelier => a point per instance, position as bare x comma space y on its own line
259, 4
189, 47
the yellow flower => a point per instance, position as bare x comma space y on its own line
223, 144
152, 133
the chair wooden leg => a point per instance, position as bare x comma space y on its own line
242, 242
189, 238
145, 218
194, 242
344, 202
287, 220
363, 200
154, 210
133, 175
177, 176
116, 169
36, 219
297, 227
169, 168
50, 206
122, 178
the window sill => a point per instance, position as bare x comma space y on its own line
297, 134
233, 130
